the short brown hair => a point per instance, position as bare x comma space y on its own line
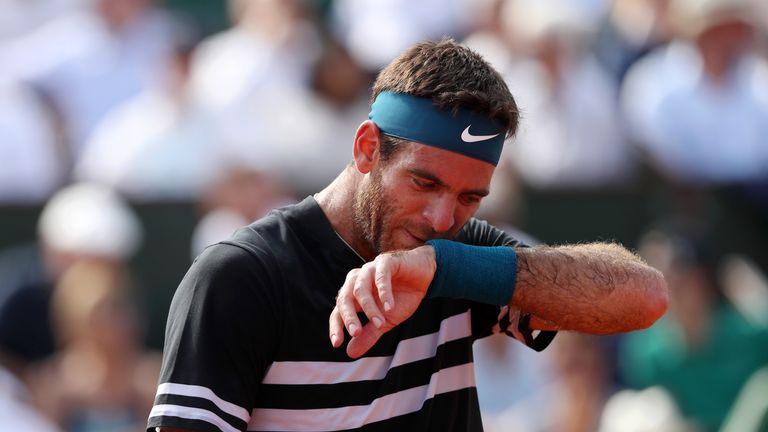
454, 77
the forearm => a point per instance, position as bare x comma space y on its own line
594, 288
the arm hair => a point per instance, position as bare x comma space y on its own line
596, 288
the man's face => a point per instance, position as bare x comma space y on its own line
421, 193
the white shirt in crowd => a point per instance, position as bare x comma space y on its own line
693, 128
30, 168
15, 410
87, 68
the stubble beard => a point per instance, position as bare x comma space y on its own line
368, 212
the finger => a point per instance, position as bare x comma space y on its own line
336, 328
361, 343
363, 292
384, 281
347, 305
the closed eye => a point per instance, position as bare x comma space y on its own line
470, 199
425, 185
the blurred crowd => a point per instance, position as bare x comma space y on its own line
104, 103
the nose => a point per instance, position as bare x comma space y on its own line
440, 213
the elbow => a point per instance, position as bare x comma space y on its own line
655, 300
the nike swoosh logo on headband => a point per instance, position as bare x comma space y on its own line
469, 138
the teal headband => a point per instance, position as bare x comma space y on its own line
417, 119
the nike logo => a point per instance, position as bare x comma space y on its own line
469, 138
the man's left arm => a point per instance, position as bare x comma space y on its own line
597, 288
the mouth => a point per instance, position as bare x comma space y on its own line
418, 239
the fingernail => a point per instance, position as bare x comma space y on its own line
352, 329
387, 306
334, 339
376, 321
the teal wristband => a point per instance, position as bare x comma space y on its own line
478, 273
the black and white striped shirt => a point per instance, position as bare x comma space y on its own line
247, 341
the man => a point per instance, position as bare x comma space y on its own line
247, 343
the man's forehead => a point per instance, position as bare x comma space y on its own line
447, 166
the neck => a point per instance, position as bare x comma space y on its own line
337, 200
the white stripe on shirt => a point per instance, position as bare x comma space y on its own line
350, 417
370, 368
192, 414
204, 393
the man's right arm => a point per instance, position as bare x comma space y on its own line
220, 337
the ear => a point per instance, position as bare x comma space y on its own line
366, 148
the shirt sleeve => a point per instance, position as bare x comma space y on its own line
221, 334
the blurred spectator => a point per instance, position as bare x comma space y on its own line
746, 287
100, 380
88, 61
703, 351
750, 412
79, 222
648, 410
87, 221
30, 163
20, 324
21, 16
585, 373
296, 133
488, 34
570, 135
272, 44
375, 31
630, 30
239, 195
155, 145
699, 106
333, 108
252, 82
512, 384
563, 390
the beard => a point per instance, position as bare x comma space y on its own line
374, 219
368, 213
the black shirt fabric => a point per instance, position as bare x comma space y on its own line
247, 343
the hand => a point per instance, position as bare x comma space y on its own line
395, 282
